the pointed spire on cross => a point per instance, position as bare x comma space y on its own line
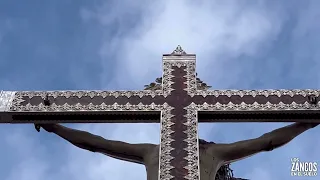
178, 51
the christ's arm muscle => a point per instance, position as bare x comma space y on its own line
116, 149
267, 142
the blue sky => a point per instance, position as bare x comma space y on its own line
64, 44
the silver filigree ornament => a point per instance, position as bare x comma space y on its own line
165, 144
167, 78
192, 148
8, 99
178, 51
91, 94
190, 78
255, 107
254, 93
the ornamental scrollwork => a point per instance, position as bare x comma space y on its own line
178, 51
254, 107
157, 84
9, 99
254, 93
91, 94
90, 107
165, 144
192, 144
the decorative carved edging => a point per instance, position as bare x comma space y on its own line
67, 94
178, 63
179, 58
191, 82
11, 100
192, 140
178, 51
253, 93
165, 144
167, 78
190, 73
191, 78
254, 107
91, 94
90, 107
8, 99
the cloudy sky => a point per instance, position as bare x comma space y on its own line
110, 44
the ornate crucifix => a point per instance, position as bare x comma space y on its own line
178, 104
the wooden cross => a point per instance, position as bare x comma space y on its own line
178, 105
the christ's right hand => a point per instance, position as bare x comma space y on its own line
48, 127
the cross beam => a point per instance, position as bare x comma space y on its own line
178, 105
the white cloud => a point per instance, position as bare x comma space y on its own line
208, 29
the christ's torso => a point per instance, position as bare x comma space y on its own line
209, 164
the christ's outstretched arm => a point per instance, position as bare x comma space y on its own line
267, 142
85, 140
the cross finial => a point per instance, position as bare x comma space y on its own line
178, 51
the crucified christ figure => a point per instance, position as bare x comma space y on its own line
212, 156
